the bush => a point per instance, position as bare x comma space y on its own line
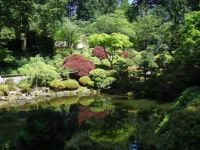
99, 52
180, 128
4, 89
102, 78
11, 84
25, 86
71, 84
1, 93
39, 71
105, 64
86, 81
79, 65
57, 84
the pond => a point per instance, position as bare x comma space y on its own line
93, 122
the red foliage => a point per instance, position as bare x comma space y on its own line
125, 54
79, 64
99, 52
85, 113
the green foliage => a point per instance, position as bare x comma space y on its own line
86, 81
11, 84
112, 23
38, 71
71, 84
90, 9
163, 59
151, 34
6, 34
112, 42
182, 123
57, 84
69, 33
105, 63
188, 51
66, 84
118, 41
102, 78
25, 86
6, 56
4, 89
98, 40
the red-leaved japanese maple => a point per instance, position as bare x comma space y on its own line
100, 52
80, 65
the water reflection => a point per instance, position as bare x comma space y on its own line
79, 123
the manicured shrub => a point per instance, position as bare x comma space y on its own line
71, 84
86, 81
79, 65
102, 78
57, 84
99, 52
95, 60
4, 89
25, 86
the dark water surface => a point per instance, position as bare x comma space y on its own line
94, 122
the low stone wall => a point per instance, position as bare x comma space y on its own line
16, 79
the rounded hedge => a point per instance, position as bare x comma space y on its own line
57, 85
71, 84
86, 81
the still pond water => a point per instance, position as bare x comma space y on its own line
103, 121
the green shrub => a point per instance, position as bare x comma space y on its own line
4, 89
25, 86
1, 93
181, 123
71, 84
39, 71
105, 63
11, 84
86, 81
57, 84
102, 78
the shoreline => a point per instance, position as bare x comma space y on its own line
24, 99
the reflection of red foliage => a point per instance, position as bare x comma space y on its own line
99, 52
79, 64
125, 54
85, 113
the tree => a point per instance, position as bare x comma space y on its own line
188, 51
112, 42
100, 52
69, 33
39, 72
112, 23
152, 34
47, 15
79, 65
91, 9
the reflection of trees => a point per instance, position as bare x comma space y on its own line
114, 128
48, 129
